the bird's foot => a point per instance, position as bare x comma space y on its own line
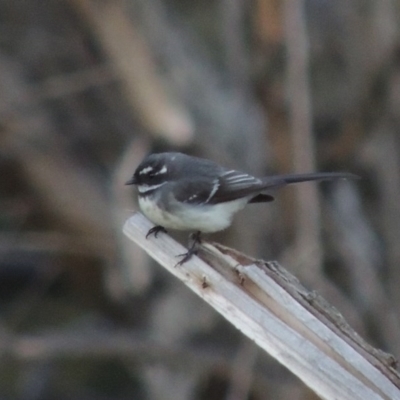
186, 257
196, 238
156, 230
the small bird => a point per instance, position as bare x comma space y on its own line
181, 192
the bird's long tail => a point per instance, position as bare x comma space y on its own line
283, 180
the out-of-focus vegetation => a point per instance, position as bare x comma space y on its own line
88, 87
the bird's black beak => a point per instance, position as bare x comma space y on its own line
131, 181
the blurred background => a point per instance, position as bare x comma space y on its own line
89, 87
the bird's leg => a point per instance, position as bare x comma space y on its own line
156, 230
196, 237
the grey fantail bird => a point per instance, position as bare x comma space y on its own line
182, 192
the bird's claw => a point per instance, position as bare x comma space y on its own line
156, 230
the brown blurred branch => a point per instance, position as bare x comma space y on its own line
308, 246
233, 14
53, 242
73, 83
129, 55
65, 187
48, 346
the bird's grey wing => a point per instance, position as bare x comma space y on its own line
230, 185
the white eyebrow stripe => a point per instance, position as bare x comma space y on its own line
163, 170
146, 170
